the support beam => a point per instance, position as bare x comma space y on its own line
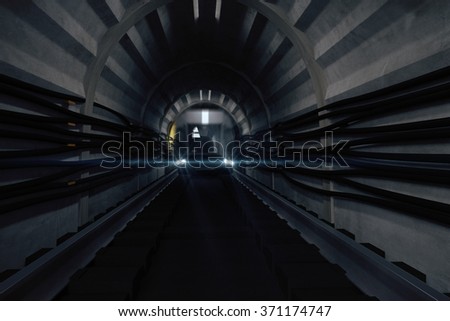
300, 41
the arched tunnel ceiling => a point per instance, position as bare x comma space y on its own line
190, 32
207, 81
274, 59
202, 97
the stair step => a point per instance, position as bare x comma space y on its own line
100, 215
36, 255
312, 213
326, 222
7, 273
153, 226
160, 205
123, 257
311, 276
105, 280
95, 297
82, 227
285, 236
64, 238
292, 253
273, 223
197, 235
136, 238
408, 268
346, 233
374, 249
163, 218
329, 294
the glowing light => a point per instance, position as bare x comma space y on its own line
218, 9
205, 117
181, 162
195, 133
228, 162
196, 9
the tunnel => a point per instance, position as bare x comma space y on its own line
320, 129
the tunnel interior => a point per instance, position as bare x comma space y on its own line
341, 108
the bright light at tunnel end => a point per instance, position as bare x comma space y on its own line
228, 162
205, 117
181, 162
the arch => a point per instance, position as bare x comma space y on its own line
227, 66
211, 102
140, 10
132, 16
167, 98
298, 39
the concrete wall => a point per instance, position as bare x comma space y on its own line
27, 230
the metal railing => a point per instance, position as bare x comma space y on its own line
370, 272
44, 278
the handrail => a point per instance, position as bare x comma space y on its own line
45, 192
373, 274
388, 149
435, 84
55, 134
22, 90
44, 278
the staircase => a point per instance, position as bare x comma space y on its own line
207, 237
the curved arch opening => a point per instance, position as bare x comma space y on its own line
206, 81
206, 96
212, 123
203, 129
